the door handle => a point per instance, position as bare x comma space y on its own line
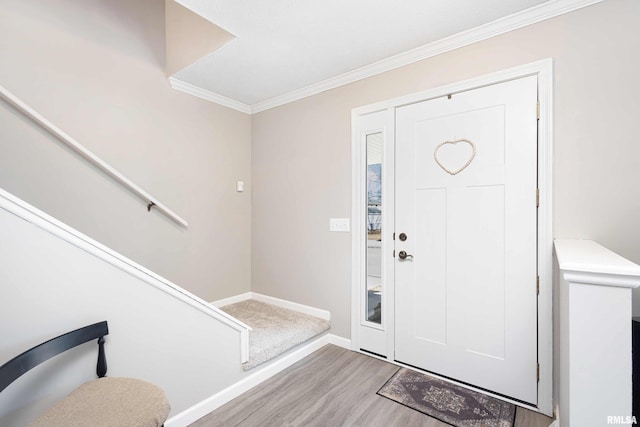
403, 255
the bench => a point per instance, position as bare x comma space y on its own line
103, 402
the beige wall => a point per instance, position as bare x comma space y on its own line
301, 152
189, 37
96, 69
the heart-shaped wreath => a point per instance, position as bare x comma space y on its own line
461, 168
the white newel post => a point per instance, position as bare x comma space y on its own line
595, 334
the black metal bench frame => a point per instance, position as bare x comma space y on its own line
23, 363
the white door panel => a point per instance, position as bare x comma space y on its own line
466, 301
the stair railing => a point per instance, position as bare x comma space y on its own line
151, 202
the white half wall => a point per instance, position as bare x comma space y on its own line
595, 353
52, 284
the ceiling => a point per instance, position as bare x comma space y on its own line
284, 49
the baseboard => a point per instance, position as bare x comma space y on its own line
312, 311
231, 300
340, 341
301, 308
270, 369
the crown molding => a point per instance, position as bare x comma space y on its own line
503, 25
194, 90
465, 38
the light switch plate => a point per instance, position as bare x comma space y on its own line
339, 224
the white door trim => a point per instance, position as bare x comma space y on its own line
376, 335
544, 70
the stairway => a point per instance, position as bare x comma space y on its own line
275, 330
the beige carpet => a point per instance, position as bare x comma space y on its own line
275, 329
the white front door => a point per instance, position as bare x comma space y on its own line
466, 181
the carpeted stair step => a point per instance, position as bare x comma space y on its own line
274, 329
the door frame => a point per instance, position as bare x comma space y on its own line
384, 113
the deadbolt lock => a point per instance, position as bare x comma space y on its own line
402, 237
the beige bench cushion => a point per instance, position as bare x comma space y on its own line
109, 402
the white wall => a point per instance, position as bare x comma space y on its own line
594, 343
301, 151
50, 287
95, 68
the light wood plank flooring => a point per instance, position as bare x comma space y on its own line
331, 387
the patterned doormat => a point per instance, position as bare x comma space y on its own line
447, 402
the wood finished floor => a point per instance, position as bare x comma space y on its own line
331, 387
